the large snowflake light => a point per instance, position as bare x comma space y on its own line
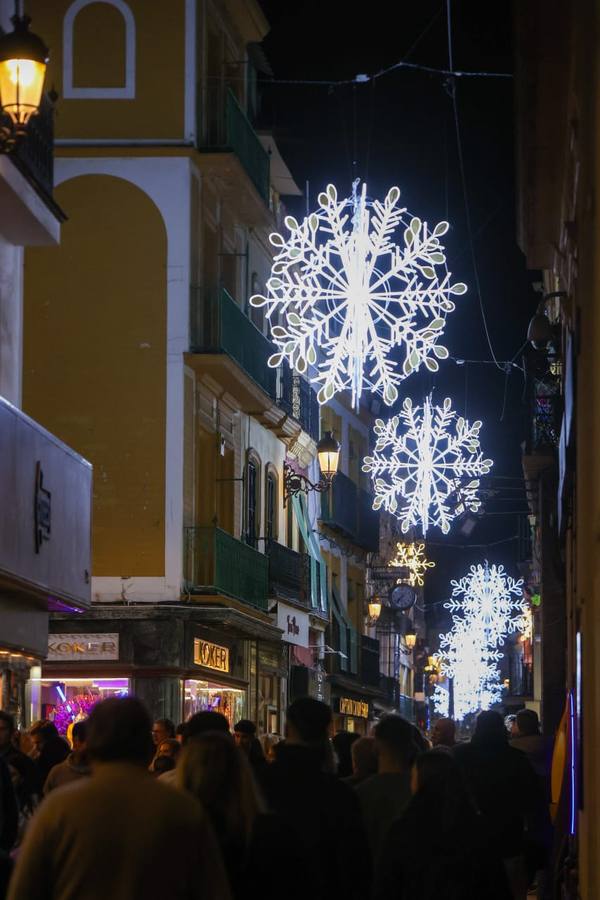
412, 558
426, 465
343, 294
493, 600
472, 665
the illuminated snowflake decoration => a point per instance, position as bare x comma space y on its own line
492, 599
472, 665
441, 700
412, 557
343, 294
426, 465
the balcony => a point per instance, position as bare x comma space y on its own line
226, 341
217, 563
34, 154
298, 400
348, 509
369, 660
545, 417
225, 129
289, 573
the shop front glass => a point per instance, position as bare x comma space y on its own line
206, 695
68, 700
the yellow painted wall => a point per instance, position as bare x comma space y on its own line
95, 361
158, 108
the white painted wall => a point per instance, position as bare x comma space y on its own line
11, 321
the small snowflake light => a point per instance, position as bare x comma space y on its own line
346, 294
493, 600
426, 465
412, 557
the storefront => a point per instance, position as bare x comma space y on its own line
45, 545
351, 714
178, 660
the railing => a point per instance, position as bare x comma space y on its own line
348, 509
218, 325
289, 575
227, 128
34, 153
299, 400
546, 414
369, 660
390, 688
215, 562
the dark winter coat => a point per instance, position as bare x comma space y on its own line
324, 816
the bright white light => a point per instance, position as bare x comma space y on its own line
492, 606
490, 597
426, 465
346, 294
412, 557
441, 700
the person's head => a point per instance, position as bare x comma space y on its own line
171, 747
244, 732
489, 728
202, 722
394, 742
364, 757
162, 764
42, 732
528, 722
161, 730
79, 736
342, 744
443, 733
269, 743
119, 730
7, 729
179, 732
431, 769
218, 774
308, 722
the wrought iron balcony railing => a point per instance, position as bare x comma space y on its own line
34, 153
289, 573
217, 563
348, 509
299, 400
226, 128
219, 325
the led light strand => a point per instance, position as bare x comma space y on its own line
412, 557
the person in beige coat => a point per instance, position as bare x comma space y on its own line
119, 834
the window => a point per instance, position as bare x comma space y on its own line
271, 529
252, 500
98, 19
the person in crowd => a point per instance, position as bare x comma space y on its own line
257, 853
76, 765
162, 729
536, 747
443, 733
364, 760
161, 765
244, 734
49, 747
179, 732
269, 743
422, 744
342, 746
22, 769
199, 723
385, 796
455, 861
9, 822
171, 747
119, 834
506, 791
321, 812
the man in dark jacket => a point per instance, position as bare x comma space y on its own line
321, 811
23, 770
506, 792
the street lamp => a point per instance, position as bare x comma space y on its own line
410, 640
374, 607
23, 61
328, 454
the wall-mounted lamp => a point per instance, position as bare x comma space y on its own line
328, 454
374, 607
410, 640
540, 331
23, 61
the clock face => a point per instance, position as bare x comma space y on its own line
402, 597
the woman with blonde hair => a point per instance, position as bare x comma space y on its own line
252, 842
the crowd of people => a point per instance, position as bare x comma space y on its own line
136, 810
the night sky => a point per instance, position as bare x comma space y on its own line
403, 129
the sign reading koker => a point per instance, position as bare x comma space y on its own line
211, 656
294, 624
73, 647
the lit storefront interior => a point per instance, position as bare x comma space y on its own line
207, 695
67, 700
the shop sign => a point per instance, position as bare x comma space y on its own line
356, 708
294, 624
211, 656
319, 687
73, 647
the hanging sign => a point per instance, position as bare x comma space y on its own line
294, 624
